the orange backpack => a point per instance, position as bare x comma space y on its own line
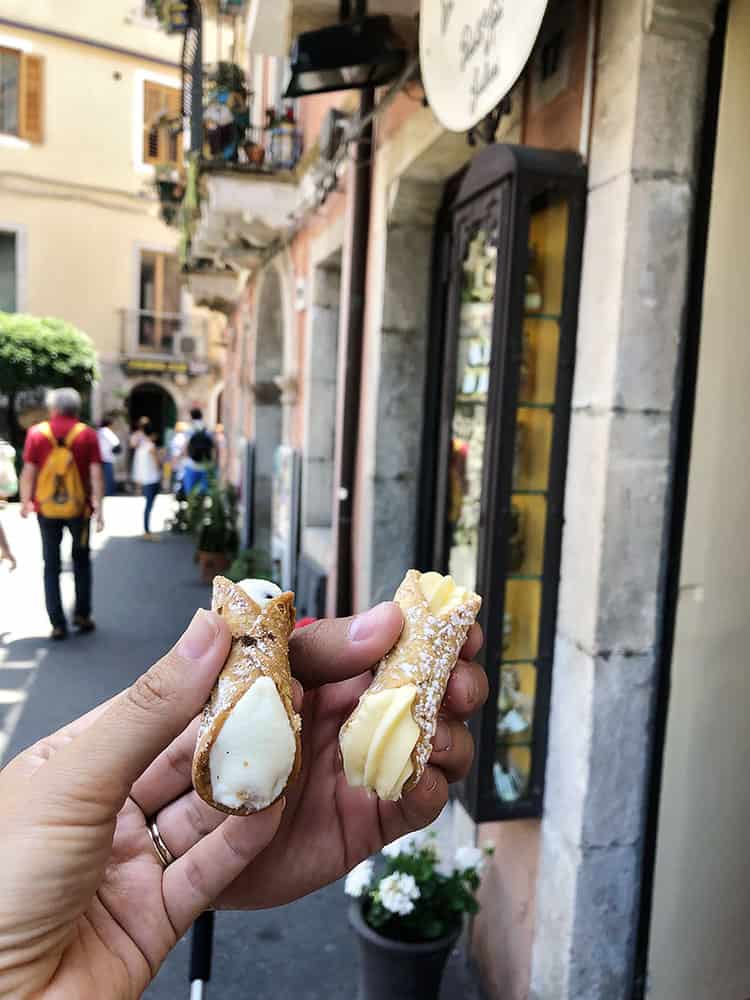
59, 490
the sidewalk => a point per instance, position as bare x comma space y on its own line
144, 595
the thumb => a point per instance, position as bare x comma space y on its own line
140, 722
338, 648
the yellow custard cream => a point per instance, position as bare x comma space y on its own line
441, 592
378, 742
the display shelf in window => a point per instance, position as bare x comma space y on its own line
513, 236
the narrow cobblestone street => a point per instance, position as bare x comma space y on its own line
144, 596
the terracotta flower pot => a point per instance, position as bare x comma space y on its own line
212, 563
399, 970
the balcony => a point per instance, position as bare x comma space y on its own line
163, 343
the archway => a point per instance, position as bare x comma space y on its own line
268, 417
149, 399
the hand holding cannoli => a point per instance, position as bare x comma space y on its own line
248, 746
386, 741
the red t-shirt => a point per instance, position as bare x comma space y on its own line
85, 449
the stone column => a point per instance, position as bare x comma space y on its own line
650, 80
397, 385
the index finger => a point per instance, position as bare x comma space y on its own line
336, 649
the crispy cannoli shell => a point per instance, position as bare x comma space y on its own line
260, 648
425, 655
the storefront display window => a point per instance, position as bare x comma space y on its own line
509, 327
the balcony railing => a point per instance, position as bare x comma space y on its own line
251, 148
162, 336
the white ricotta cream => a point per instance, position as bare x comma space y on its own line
253, 754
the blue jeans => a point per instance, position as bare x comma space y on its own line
194, 477
110, 486
150, 491
51, 529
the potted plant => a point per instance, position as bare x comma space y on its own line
217, 534
409, 917
170, 188
251, 564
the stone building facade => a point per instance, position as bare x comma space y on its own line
567, 901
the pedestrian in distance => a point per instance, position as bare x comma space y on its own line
178, 453
146, 470
200, 454
109, 446
62, 481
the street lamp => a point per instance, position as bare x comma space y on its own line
357, 53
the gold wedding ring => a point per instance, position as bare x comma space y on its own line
163, 853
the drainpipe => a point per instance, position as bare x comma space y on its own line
355, 321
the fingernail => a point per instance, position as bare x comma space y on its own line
199, 637
367, 625
442, 740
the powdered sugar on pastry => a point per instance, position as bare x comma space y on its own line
387, 740
248, 745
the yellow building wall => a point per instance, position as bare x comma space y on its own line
79, 259
93, 116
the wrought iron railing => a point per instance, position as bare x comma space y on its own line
175, 336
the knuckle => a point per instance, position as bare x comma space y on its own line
150, 691
179, 759
195, 817
194, 876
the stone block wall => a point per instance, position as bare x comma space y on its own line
649, 86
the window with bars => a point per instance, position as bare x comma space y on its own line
162, 135
21, 94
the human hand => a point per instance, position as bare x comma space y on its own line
99, 519
27, 507
327, 827
7, 556
86, 909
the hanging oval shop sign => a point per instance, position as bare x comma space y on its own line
472, 52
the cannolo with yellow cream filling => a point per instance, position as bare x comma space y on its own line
387, 740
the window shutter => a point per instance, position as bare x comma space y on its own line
31, 98
158, 146
151, 110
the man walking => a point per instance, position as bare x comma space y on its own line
200, 453
62, 481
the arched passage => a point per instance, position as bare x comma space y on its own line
152, 400
269, 348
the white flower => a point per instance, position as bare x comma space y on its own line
397, 893
444, 867
409, 844
469, 856
358, 880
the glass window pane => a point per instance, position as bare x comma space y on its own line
468, 425
9, 70
529, 509
8, 277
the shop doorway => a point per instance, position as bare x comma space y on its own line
153, 401
268, 417
701, 904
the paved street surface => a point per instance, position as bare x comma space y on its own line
145, 594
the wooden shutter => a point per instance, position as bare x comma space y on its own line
31, 98
158, 145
